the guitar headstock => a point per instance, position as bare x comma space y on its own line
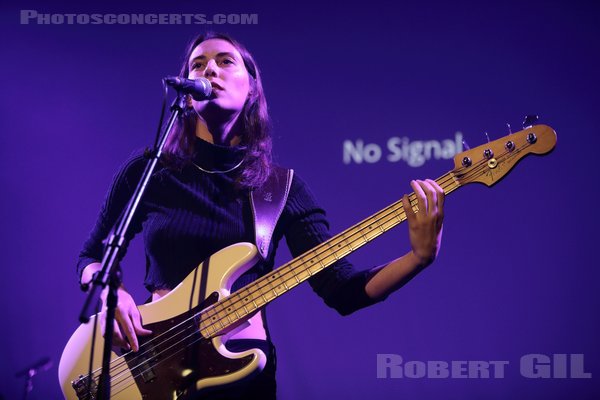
490, 162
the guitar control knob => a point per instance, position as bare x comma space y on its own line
466, 162
488, 153
531, 138
510, 145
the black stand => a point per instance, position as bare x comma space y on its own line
31, 371
117, 241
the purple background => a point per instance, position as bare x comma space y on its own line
517, 271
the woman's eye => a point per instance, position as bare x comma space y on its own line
196, 65
227, 61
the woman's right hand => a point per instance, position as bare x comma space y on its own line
128, 321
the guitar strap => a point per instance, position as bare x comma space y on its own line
267, 204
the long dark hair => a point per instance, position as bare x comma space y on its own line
256, 136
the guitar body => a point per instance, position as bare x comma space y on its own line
176, 360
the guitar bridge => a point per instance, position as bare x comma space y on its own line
85, 387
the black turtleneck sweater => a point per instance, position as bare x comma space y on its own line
185, 216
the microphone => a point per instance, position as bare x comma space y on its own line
200, 88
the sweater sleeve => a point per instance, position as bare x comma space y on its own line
341, 286
121, 190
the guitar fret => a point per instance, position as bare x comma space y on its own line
310, 263
389, 224
356, 243
291, 283
322, 265
219, 318
214, 319
309, 271
273, 288
397, 214
209, 315
362, 234
227, 315
333, 252
380, 227
269, 291
297, 270
260, 290
225, 321
345, 239
344, 254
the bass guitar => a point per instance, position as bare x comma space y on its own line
186, 352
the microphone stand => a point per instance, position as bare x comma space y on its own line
108, 275
31, 371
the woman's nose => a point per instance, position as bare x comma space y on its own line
211, 67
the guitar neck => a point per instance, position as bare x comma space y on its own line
241, 304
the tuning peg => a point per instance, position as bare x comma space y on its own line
465, 144
530, 120
509, 128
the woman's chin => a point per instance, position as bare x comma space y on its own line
216, 106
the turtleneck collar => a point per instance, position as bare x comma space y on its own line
215, 157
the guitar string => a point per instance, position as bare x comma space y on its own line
446, 176
381, 218
147, 359
128, 381
284, 274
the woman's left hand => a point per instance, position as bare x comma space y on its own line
425, 225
